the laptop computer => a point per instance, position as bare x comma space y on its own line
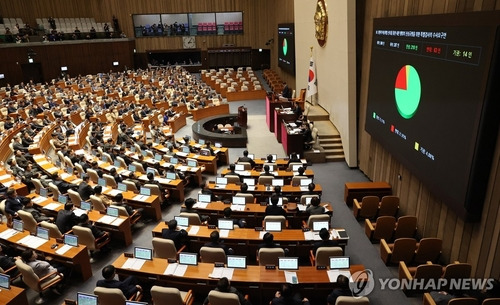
204, 198
250, 183
225, 224
69, 170
158, 157
85, 205
122, 187
288, 263
185, 149
151, 170
111, 211
278, 182
318, 225
101, 182
135, 303
236, 261
144, 191
201, 142
171, 176
295, 167
174, 160
132, 168
218, 145
340, 262
71, 240
4, 281
18, 225
239, 200
304, 184
62, 199
273, 226
186, 258
239, 167
220, 182
182, 221
42, 233
275, 157
44, 192
251, 156
192, 163
143, 253
117, 163
86, 299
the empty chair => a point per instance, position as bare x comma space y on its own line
383, 228
232, 179
246, 165
367, 208
85, 237
322, 256
130, 186
194, 219
53, 229
269, 256
389, 206
38, 284
75, 198
114, 296
491, 301
165, 248
423, 272
97, 203
265, 180
428, 250
94, 177
138, 167
346, 300
405, 227
79, 168
110, 181
403, 249
457, 270
38, 185
55, 190
29, 221
249, 198
212, 255
171, 296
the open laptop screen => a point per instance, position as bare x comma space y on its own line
339, 262
42, 233
145, 191
70, 239
4, 281
239, 167
85, 205
288, 263
182, 221
249, 181
171, 176
17, 225
273, 226
143, 253
318, 225
221, 181
235, 261
112, 211
101, 182
188, 258
239, 200
86, 299
225, 224
278, 182
44, 192
192, 163
305, 182
204, 197
122, 187
62, 199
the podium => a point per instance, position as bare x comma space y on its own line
242, 116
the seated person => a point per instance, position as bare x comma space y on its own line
268, 241
215, 242
223, 285
115, 175
14, 203
232, 171
274, 209
341, 289
84, 189
37, 215
266, 172
325, 241
205, 190
245, 158
179, 237
118, 201
314, 208
129, 286
300, 172
66, 218
85, 222
98, 192
7, 262
241, 223
294, 158
188, 208
287, 297
62, 185
269, 159
42, 268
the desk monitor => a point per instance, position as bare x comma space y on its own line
105, 159
17, 225
158, 157
171, 176
86, 299
218, 145
85, 205
151, 170
204, 198
42, 233
145, 191
249, 181
132, 149
235, 261
185, 149
186, 258
273, 226
280, 201
288, 263
305, 182
340, 262
205, 152
295, 167
101, 182
144, 153
251, 156
44, 192
111, 211
122, 187
225, 224
4, 281
69, 170
62, 199
182, 221
239, 167
221, 181
58, 163
239, 200
192, 163
278, 182
117, 163
70, 239
143, 253
174, 160
135, 303
275, 157
318, 225
201, 142
132, 168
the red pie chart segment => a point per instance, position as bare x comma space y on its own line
401, 79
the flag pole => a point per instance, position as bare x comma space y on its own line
310, 56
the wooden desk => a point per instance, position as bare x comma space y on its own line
77, 257
259, 283
360, 189
271, 104
13, 296
177, 122
279, 116
201, 113
281, 163
10, 181
281, 174
292, 142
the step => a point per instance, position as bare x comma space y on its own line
333, 151
330, 141
328, 136
339, 158
335, 146
318, 117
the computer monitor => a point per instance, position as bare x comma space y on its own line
174, 160
305, 182
86, 299
151, 170
42, 233
204, 198
201, 142
122, 187
117, 163
308, 200
69, 170
111, 211
205, 152
221, 181
158, 157
186, 258
239, 200
239, 167
218, 145
249, 181
288, 263
340, 262
132, 168
318, 225
275, 157
105, 158
144, 153
85, 205
236, 261
4, 281
70, 239
185, 149
192, 163
251, 156
295, 167
17, 225
132, 149
225, 224
278, 182
101, 182
58, 163
62, 199
182, 221
143, 253
44, 192
145, 191
273, 226
171, 176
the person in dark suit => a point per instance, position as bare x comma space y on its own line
129, 286
341, 289
7, 262
62, 185
21, 159
266, 171
241, 223
287, 92
268, 241
245, 158
66, 219
223, 285
37, 215
16, 169
314, 208
18, 144
84, 222
294, 158
179, 237
274, 209
287, 297
13, 203
215, 242
84, 189
325, 241
232, 171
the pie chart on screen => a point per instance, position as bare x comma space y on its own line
285, 46
407, 91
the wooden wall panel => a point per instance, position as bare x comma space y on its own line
477, 243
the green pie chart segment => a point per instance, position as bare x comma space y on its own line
285, 46
407, 91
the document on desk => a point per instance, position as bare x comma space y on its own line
52, 206
170, 270
124, 172
107, 219
334, 274
9, 183
8, 233
65, 175
261, 234
140, 198
291, 277
163, 180
39, 199
202, 205
182, 154
224, 233
238, 207
196, 156
79, 212
77, 181
134, 263
175, 269
304, 188
63, 249
183, 168
194, 230
6, 176
32, 241
42, 163
52, 170
220, 272
334, 234
114, 192
118, 221
243, 173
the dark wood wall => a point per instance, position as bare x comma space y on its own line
477, 243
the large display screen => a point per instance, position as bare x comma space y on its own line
431, 94
286, 47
